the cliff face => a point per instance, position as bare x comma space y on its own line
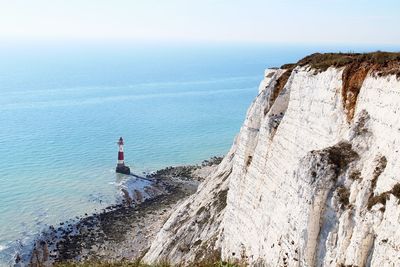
312, 179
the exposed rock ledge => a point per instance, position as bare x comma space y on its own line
312, 179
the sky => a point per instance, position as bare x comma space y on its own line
252, 21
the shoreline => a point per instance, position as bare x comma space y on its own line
122, 231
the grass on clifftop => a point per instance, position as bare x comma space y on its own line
389, 61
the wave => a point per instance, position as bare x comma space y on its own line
8, 253
101, 100
136, 85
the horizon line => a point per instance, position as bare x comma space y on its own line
132, 41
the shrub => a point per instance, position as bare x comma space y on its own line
343, 194
355, 175
384, 196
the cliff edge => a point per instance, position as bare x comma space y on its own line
312, 179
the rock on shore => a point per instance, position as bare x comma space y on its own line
123, 231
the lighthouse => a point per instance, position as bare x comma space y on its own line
121, 168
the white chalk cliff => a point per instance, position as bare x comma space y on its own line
305, 183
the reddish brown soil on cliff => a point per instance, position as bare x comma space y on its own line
352, 79
280, 83
356, 68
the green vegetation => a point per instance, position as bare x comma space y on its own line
396, 191
221, 200
138, 263
343, 194
340, 156
207, 259
355, 175
382, 198
110, 264
322, 62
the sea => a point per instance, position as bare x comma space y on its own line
63, 106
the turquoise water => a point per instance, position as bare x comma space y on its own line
63, 107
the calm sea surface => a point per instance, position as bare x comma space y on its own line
63, 107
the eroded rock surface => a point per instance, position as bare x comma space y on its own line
311, 179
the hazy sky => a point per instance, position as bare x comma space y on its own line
282, 21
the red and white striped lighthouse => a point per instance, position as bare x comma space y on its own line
121, 152
121, 168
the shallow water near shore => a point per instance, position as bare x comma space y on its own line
62, 109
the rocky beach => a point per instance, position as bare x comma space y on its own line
123, 231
